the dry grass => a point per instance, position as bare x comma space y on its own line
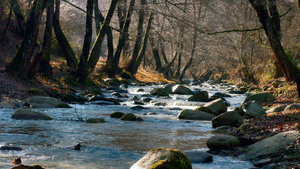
150, 76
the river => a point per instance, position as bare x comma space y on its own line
114, 144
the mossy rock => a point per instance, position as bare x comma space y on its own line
117, 115
95, 120
164, 158
160, 92
26, 114
128, 117
204, 109
63, 105
222, 142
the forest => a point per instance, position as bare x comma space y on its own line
73, 50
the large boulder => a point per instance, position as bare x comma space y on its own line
180, 89
27, 114
163, 158
222, 142
117, 114
200, 96
271, 145
216, 107
230, 118
254, 110
45, 102
160, 92
261, 97
194, 115
169, 87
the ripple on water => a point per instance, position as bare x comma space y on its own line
115, 144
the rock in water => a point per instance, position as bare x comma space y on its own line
163, 158
45, 102
179, 89
222, 142
216, 107
230, 118
27, 167
200, 96
27, 114
128, 117
199, 157
194, 115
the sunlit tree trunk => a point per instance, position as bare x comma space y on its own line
95, 53
289, 69
82, 66
109, 36
63, 42
22, 60
43, 57
139, 38
122, 11
141, 55
122, 39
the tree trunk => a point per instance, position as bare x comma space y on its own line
19, 16
43, 57
6, 26
139, 37
122, 10
95, 53
289, 69
98, 16
82, 66
275, 18
122, 39
22, 60
141, 55
155, 51
110, 45
64, 45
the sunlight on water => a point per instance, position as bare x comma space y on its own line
115, 144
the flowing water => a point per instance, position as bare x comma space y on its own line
115, 144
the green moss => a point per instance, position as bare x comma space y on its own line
176, 160
64, 105
116, 115
95, 120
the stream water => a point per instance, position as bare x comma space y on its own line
115, 144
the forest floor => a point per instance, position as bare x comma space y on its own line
13, 87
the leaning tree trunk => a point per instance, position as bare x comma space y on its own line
141, 55
43, 57
122, 40
22, 60
95, 53
6, 26
122, 11
19, 16
63, 42
289, 69
155, 51
139, 38
82, 67
110, 45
